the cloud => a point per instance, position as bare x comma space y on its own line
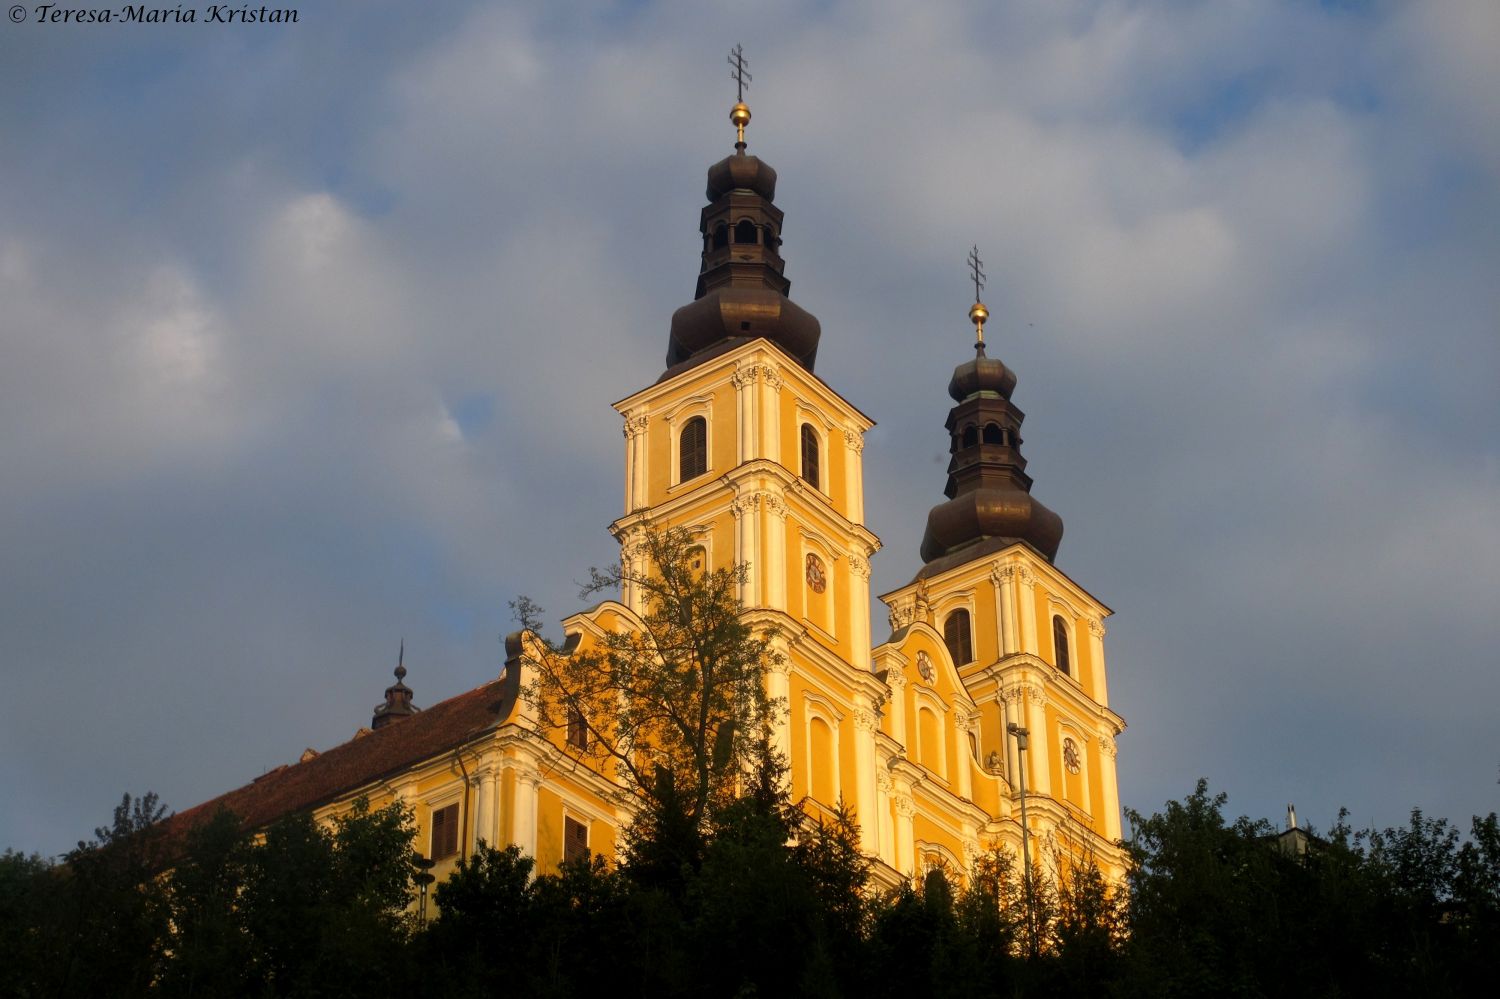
324, 358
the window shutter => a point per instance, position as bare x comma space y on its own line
810, 455
1060, 644
444, 832
692, 449
956, 636
575, 839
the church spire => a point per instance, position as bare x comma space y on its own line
990, 505
742, 292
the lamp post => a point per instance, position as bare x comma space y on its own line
423, 878
1022, 735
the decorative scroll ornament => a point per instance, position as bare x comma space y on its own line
859, 566
774, 504
900, 616
855, 440
1107, 745
772, 374
883, 780
1096, 627
745, 504
745, 377
1071, 759
905, 807
635, 426
864, 720
817, 573
1002, 573
1027, 577
1024, 689
925, 667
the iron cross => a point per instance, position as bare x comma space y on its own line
976, 271
738, 74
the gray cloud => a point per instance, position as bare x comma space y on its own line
309, 343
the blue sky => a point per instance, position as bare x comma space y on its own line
309, 334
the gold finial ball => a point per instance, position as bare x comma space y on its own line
739, 115
978, 314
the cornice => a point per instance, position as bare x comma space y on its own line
1020, 562
721, 369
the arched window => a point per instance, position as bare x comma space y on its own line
744, 231
956, 637
810, 455
992, 433
971, 436
1060, 644
692, 449
721, 236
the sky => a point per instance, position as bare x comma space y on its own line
309, 334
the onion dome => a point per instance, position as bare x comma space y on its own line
741, 172
398, 703
990, 505
742, 292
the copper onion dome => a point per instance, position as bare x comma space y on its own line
990, 505
742, 292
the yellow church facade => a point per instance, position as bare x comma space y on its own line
741, 444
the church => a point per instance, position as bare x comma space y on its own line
979, 718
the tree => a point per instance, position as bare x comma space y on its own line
674, 708
111, 907
322, 906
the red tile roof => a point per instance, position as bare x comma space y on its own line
366, 758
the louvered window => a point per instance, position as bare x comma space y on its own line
956, 637
575, 839
444, 832
810, 455
1060, 644
578, 732
692, 449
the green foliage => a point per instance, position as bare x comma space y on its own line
674, 708
318, 906
767, 902
111, 919
1231, 908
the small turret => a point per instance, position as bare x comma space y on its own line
398, 703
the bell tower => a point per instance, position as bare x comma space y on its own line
739, 442
1026, 641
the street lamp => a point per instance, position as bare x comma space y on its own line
424, 879
1022, 735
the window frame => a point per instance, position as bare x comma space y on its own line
578, 731
807, 433
676, 419
571, 822
1062, 645
436, 812
968, 636
700, 451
